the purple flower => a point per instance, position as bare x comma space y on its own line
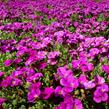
52, 57
105, 68
17, 73
70, 83
59, 36
41, 55
64, 72
35, 86
89, 85
33, 94
82, 79
94, 51
87, 67
70, 103
2, 100
59, 91
8, 62
15, 82
76, 64
77, 104
30, 60
42, 65
82, 64
99, 80
17, 61
1, 74
47, 92
100, 93
29, 71
53, 54
6, 82
21, 51
34, 77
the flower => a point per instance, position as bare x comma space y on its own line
34, 77
82, 79
6, 82
15, 82
59, 91
1, 74
94, 52
8, 62
105, 68
42, 65
99, 80
76, 64
70, 103
66, 104
35, 86
2, 100
70, 83
87, 67
89, 85
77, 104
64, 72
34, 92
47, 92
52, 57
100, 93
33, 95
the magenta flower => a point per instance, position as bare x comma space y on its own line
100, 93
89, 85
33, 95
82, 64
69, 83
6, 82
35, 86
47, 92
82, 79
34, 92
41, 55
99, 80
52, 57
8, 62
17, 73
21, 51
59, 91
1, 74
42, 65
2, 100
94, 52
70, 103
17, 61
34, 77
15, 82
77, 104
87, 67
30, 60
105, 68
64, 72
29, 71
76, 64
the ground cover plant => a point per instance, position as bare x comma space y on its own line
54, 54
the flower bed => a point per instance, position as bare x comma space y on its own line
54, 54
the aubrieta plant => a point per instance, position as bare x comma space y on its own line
54, 54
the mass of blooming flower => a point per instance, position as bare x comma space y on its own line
54, 54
